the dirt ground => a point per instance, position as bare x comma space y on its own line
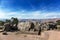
47, 35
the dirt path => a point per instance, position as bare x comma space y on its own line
51, 35
19, 37
54, 35
47, 35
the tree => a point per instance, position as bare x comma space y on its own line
14, 21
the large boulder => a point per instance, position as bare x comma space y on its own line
23, 26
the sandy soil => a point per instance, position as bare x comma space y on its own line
51, 35
19, 37
54, 35
47, 35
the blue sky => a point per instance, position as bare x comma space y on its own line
30, 9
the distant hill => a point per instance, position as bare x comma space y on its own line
40, 20
37, 20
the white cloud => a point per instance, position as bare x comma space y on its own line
53, 15
28, 15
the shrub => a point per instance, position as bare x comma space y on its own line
58, 22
